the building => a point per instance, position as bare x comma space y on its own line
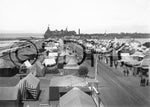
56, 33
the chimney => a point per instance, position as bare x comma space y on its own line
79, 31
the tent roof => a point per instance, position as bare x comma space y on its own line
76, 98
71, 63
133, 62
32, 80
53, 54
50, 61
27, 64
68, 80
8, 93
72, 60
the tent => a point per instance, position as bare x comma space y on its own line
68, 80
27, 64
125, 57
145, 63
29, 87
133, 62
39, 69
7, 68
53, 54
32, 69
32, 85
76, 98
9, 97
49, 61
63, 53
138, 54
71, 63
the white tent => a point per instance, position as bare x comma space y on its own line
49, 61
76, 98
27, 64
53, 54
71, 63
125, 57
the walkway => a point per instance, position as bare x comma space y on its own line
116, 90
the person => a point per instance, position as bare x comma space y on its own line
115, 58
43, 46
145, 77
92, 58
125, 70
115, 63
111, 60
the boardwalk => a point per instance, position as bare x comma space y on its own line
117, 90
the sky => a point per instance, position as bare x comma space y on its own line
91, 16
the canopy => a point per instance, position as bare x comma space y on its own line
124, 54
76, 98
49, 61
68, 80
125, 57
53, 54
138, 54
27, 64
133, 62
145, 63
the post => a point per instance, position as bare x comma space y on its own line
96, 63
149, 73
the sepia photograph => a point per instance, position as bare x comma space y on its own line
74, 53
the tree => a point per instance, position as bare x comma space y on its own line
83, 71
